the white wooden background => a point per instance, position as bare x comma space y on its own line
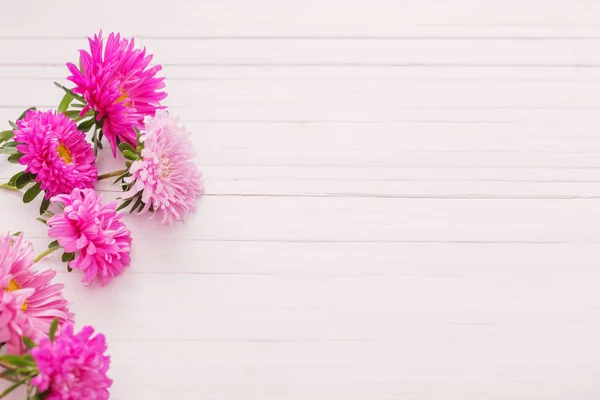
403, 197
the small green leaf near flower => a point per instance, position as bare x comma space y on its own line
32, 193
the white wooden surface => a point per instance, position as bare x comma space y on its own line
403, 197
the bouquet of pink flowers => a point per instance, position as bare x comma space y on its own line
116, 96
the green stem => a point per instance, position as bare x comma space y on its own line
13, 387
95, 140
111, 174
44, 254
7, 367
9, 187
29, 392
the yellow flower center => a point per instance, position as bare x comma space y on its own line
165, 167
12, 286
64, 153
123, 96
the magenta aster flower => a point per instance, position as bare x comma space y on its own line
55, 152
74, 367
94, 233
166, 177
29, 297
116, 83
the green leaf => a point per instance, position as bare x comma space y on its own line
7, 373
54, 245
41, 396
124, 204
42, 220
70, 92
14, 158
65, 102
13, 125
23, 180
138, 135
69, 269
123, 146
44, 206
6, 135
95, 142
53, 328
8, 150
137, 204
17, 361
17, 233
28, 342
66, 257
13, 179
120, 178
130, 155
25, 112
85, 126
73, 114
32, 193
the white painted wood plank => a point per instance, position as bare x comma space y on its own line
305, 18
344, 183
553, 52
342, 308
316, 328
521, 261
44, 73
288, 370
373, 96
350, 100
278, 327
357, 219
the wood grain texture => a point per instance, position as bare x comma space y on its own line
403, 198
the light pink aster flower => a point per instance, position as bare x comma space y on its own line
55, 152
116, 83
166, 177
94, 233
34, 301
14, 324
74, 367
16, 257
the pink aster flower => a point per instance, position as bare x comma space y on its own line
14, 324
16, 257
74, 367
55, 152
29, 301
166, 176
94, 233
116, 83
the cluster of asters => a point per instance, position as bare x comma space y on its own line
115, 97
